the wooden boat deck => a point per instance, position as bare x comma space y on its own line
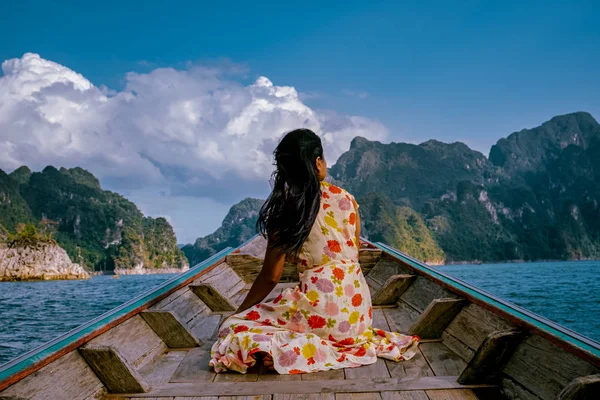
474, 345
185, 374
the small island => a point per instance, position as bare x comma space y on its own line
29, 255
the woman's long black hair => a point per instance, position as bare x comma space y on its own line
289, 213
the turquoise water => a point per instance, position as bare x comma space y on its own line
32, 313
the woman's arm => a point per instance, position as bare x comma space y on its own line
266, 280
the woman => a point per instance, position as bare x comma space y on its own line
325, 322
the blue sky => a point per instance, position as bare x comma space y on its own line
472, 71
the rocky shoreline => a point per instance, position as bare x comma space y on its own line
140, 270
40, 262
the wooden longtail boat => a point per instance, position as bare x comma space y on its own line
474, 345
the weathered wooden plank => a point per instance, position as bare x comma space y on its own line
135, 340
515, 391
392, 289
257, 397
461, 394
376, 370
194, 367
55, 381
458, 347
172, 331
301, 387
401, 318
247, 268
162, 370
256, 247
436, 317
544, 368
422, 291
414, 368
386, 268
358, 396
212, 297
113, 370
443, 362
204, 326
582, 388
410, 395
473, 323
368, 258
308, 396
185, 307
379, 320
332, 374
491, 356
231, 376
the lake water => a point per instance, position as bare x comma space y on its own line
32, 313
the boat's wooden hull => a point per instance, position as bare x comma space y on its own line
158, 345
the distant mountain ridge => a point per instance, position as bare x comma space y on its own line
99, 229
536, 197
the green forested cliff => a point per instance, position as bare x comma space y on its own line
99, 229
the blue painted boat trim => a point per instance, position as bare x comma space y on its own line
46, 350
552, 328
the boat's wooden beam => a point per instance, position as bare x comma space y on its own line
368, 258
300, 387
491, 357
436, 317
392, 289
172, 331
582, 388
113, 370
212, 297
248, 266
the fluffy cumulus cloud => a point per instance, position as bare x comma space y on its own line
193, 132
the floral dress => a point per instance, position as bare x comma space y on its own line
325, 322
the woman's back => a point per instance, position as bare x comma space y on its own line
333, 235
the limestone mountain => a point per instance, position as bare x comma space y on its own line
536, 197
98, 229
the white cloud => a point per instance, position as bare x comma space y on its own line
193, 131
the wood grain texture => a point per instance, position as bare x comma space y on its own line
442, 360
301, 387
376, 370
401, 318
473, 323
358, 396
544, 368
55, 381
212, 297
392, 289
368, 258
405, 395
386, 268
436, 317
332, 374
135, 340
164, 368
491, 356
172, 331
194, 367
458, 347
185, 307
414, 368
247, 267
265, 374
422, 291
113, 370
231, 376
463, 394
515, 391
204, 326
379, 320
309, 396
582, 388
